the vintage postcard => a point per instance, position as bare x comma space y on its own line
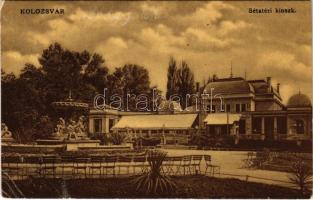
156, 99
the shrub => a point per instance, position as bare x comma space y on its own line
117, 138
301, 175
153, 182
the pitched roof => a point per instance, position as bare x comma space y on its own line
261, 88
230, 86
160, 121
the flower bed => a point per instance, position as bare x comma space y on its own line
189, 187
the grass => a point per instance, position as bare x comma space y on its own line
188, 187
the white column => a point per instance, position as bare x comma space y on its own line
262, 129
275, 128
91, 125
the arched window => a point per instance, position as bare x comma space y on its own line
300, 126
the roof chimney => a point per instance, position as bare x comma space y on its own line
269, 83
277, 88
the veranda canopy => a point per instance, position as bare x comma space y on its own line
221, 118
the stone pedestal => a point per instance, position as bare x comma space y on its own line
70, 144
7, 140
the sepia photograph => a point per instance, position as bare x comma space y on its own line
194, 99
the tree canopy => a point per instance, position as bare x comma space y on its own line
26, 100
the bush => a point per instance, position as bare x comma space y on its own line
117, 138
301, 175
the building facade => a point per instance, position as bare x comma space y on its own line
242, 109
263, 116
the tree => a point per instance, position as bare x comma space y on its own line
96, 73
129, 82
171, 79
79, 72
185, 84
28, 98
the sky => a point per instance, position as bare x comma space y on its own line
211, 36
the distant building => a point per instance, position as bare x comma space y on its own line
262, 113
243, 109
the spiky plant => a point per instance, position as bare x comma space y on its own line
153, 182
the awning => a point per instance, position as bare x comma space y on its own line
158, 121
221, 118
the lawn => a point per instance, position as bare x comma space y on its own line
189, 187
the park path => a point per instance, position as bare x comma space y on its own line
231, 163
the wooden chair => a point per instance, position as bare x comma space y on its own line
81, 165
167, 166
176, 163
110, 164
213, 168
124, 162
67, 165
186, 164
49, 166
140, 162
96, 166
32, 166
11, 166
196, 163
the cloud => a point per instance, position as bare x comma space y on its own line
209, 13
208, 35
293, 74
13, 61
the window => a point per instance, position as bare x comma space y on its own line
97, 125
227, 107
237, 107
300, 127
243, 107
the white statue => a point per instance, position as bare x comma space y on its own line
5, 133
60, 129
80, 128
71, 128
